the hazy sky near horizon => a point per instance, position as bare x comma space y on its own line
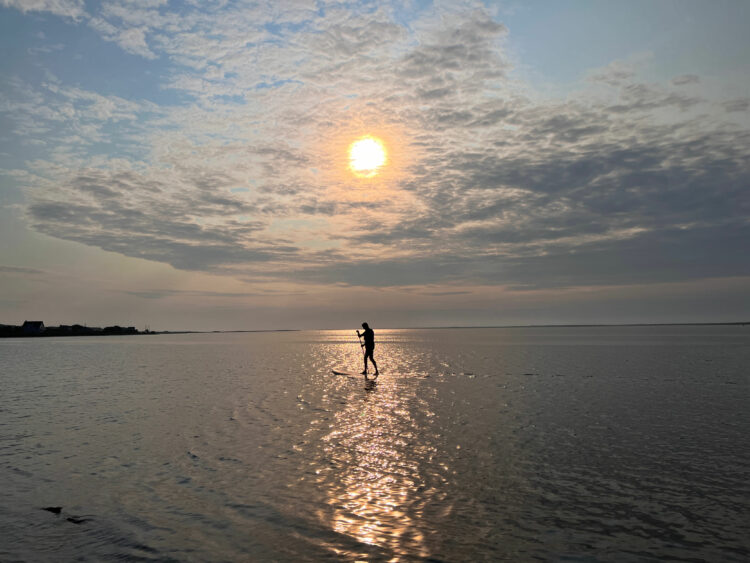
183, 164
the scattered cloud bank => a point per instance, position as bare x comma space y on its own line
67, 8
490, 183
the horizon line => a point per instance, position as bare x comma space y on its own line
568, 325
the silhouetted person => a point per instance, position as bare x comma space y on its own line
369, 337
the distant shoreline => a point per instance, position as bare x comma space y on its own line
54, 333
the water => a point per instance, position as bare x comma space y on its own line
587, 444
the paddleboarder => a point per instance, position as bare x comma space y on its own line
369, 346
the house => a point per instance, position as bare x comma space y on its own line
32, 327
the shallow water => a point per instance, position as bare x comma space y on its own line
587, 444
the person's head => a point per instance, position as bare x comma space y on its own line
365, 326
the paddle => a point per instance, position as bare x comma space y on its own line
361, 345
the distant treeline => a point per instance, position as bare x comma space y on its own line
37, 328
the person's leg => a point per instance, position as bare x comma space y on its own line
368, 354
372, 359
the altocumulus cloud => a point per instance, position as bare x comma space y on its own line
626, 182
68, 8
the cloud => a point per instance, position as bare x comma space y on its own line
20, 270
739, 105
163, 293
628, 182
616, 74
67, 8
175, 217
131, 39
686, 79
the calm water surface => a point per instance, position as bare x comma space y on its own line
587, 444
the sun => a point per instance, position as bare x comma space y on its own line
367, 156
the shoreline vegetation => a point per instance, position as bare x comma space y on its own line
37, 329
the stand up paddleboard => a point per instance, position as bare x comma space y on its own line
355, 375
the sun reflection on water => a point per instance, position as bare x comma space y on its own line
370, 467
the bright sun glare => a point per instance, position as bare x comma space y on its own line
367, 156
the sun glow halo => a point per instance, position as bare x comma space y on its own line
367, 156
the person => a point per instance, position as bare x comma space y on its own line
369, 336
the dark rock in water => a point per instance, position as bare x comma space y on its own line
72, 519
76, 520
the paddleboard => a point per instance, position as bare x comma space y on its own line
370, 376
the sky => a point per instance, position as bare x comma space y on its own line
185, 165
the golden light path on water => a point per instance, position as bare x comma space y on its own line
369, 465
373, 499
